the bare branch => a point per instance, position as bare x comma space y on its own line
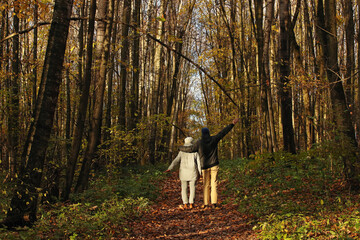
195, 64
149, 36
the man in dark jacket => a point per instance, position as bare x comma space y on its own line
207, 147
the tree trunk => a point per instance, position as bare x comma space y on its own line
231, 27
312, 67
124, 62
264, 113
285, 85
350, 56
106, 10
154, 109
134, 99
82, 108
68, 115
4, 158
350, 59
14, 101
269, 17
357, 123
35, 49
340, 108
23, 206
108, 119
2, 35
124, 66
182, 24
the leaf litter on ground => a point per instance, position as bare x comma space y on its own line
166, 220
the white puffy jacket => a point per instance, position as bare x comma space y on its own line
190, 167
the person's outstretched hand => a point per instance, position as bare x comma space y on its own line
235, 120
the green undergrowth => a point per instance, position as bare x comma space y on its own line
301, 196
102, 212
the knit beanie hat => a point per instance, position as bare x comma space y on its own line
205, 131
188, 141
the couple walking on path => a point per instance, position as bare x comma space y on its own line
200, 157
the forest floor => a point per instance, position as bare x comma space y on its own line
165, 220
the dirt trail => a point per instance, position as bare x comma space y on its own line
166, 221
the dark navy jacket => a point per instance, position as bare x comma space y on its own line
207, 147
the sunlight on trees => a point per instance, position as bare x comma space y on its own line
137, 77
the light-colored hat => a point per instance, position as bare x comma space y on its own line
188, 141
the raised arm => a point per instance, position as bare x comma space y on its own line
226, 130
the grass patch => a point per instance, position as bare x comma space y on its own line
301, 196
101, 212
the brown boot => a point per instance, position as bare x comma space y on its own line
215, 206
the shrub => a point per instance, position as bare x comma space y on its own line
87, 221
101, 212
293, 196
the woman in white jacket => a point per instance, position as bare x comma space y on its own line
189, 171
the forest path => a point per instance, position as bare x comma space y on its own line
166, 221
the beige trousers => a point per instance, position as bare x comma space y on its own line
210, 185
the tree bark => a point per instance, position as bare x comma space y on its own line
263, 111
285, 85
105, 13
350, 67
14, 99
182, 25
340, 108
108, 119
124, 62
154, 108
134, 101
269, 17
311, 66
357, 129
68, 115
4, 158
83, 104
35, 49
23, 206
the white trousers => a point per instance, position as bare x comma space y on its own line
184, 191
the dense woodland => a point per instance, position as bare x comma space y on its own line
91, 86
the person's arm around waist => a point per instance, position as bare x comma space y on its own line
198, 163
